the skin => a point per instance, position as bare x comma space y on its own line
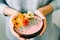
13, 13
45, 11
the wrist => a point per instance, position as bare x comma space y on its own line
2, 6
46, 9
43, 11
6, 11
10, 12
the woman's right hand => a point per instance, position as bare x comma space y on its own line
13, 14
12, 25
10, 12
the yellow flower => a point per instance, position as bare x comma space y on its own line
30, 14
20, 15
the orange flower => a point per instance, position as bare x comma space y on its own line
21, 20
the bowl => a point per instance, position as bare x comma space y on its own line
33, 29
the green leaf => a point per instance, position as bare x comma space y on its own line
21, 26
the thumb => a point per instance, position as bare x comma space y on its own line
39, 14
12, 29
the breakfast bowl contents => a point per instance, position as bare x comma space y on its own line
28, 25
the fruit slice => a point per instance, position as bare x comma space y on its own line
25, 22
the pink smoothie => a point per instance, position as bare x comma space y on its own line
32, 28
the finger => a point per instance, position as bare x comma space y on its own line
44, 28
12, 18
39, 14
12, 26
15, 34
44, 20
12, 30
15, 13
22, 38
10, 22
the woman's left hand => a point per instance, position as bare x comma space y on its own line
38, 13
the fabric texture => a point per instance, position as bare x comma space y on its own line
56, 18
32, 5
55, 4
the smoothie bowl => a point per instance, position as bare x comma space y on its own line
28, 25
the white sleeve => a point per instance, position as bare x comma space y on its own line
55, 4
56, 18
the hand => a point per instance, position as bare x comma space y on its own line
12, 30
10, 12
11, 27
37, 12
